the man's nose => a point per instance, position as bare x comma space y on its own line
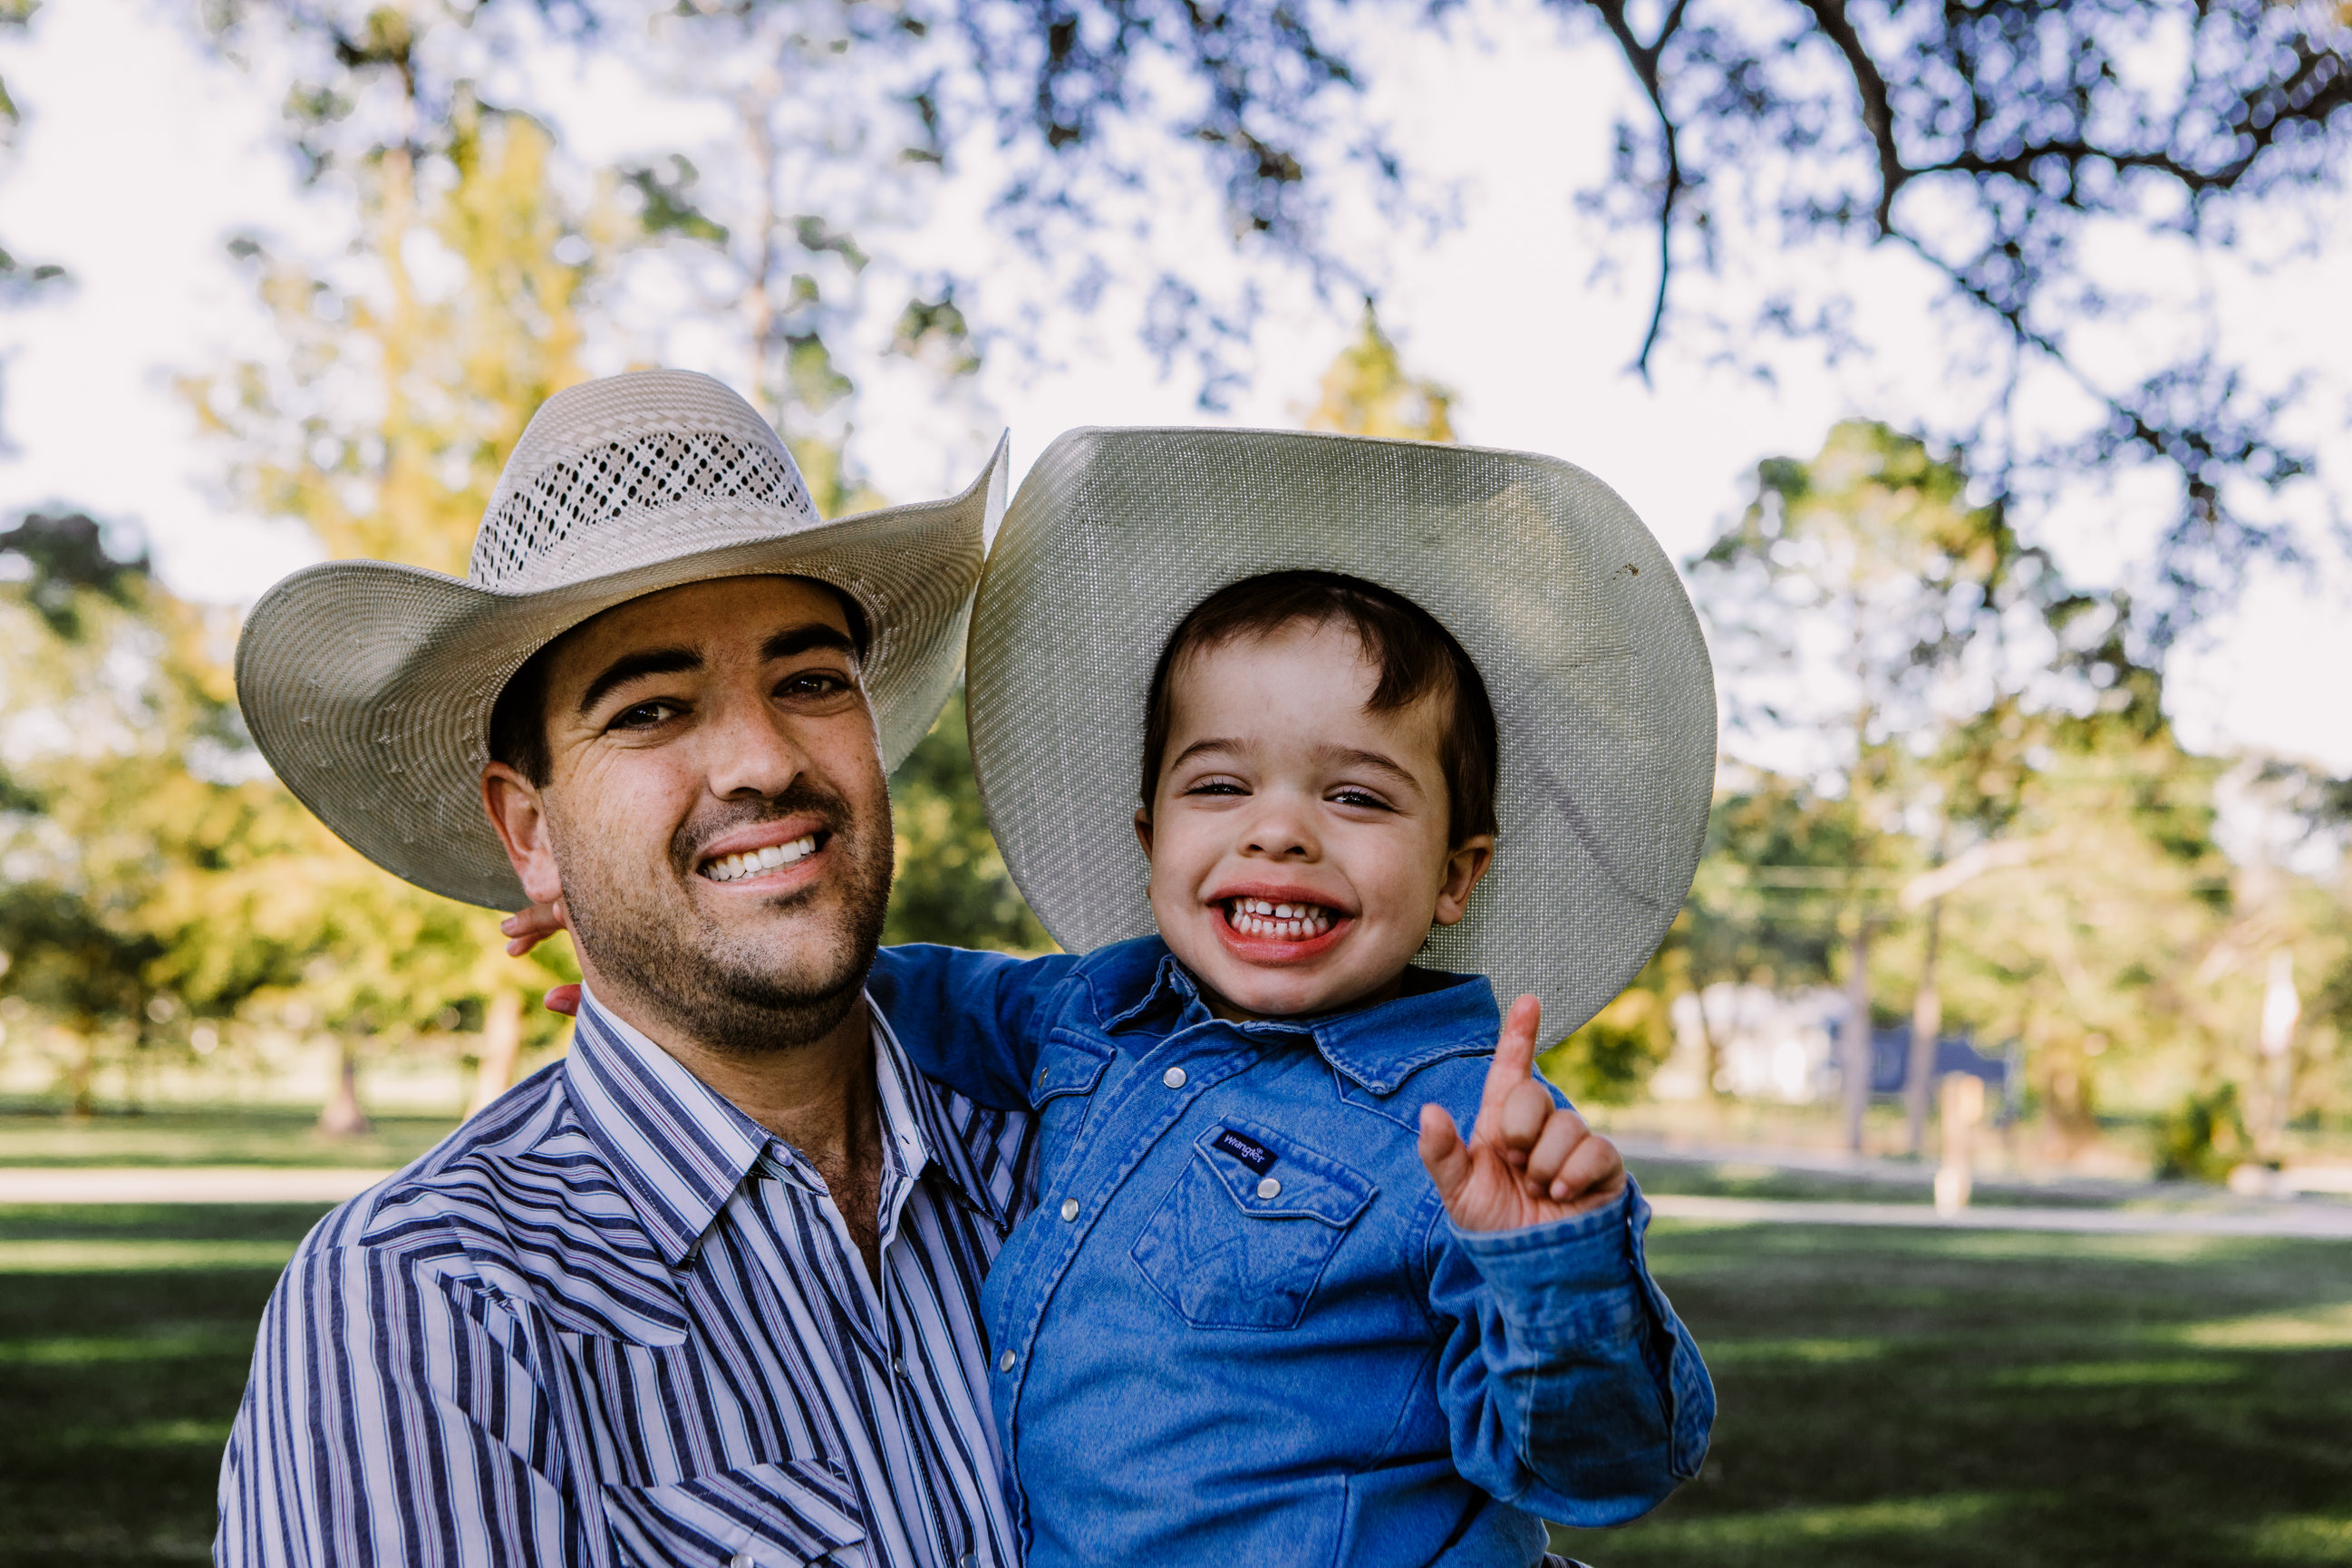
749, 750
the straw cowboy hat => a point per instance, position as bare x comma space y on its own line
369, 685
1601, 688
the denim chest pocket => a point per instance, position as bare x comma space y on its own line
788, 1515
1245, 1235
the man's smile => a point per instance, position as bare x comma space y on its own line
762, 853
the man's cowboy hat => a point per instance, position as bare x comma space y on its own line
1587, 643
369, 685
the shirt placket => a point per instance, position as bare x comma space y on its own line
1149, 1101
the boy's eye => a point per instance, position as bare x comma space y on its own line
647, 715
1215, 787
1359, 798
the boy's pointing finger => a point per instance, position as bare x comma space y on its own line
1514, 1053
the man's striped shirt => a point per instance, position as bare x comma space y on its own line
613, 1321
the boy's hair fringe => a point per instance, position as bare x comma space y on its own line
1416, 657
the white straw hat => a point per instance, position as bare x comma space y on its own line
1588, 646
369, 685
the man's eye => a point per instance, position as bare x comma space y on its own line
646, 715
812, 683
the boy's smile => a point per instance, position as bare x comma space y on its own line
1297, 840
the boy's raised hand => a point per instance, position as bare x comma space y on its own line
1528, 1160
526, 928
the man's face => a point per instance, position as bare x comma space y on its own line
715, 818
1297, 839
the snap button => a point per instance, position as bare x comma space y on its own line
1173, 1078
1069, 1208
1269, 1188
1004, 1362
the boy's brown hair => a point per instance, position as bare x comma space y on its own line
1416, 657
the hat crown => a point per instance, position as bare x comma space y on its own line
632, 469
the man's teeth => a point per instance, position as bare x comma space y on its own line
751, 862
1291, 923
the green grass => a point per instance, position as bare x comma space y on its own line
1889, 1398
242, 1136
125, 1333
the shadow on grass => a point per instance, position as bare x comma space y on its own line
1891, 1398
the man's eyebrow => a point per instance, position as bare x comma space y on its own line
636, 666
794, 641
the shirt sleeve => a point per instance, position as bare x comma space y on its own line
965, 1019
390, 1419
1570, 1387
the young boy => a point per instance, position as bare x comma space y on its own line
1271, 1308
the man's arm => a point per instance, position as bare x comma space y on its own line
969, 1020
385, 1423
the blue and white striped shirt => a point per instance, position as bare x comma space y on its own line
613, 1321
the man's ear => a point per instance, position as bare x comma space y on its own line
519, 814
1464, 865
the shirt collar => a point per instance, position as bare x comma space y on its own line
679, 1149
1440, 1014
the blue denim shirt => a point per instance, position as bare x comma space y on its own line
1239, 1327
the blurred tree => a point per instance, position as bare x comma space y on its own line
1367, 393
951, 886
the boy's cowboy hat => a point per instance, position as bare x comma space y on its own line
369, 686
1587, 643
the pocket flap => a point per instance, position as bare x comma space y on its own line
783, 1515
1070, 1064
1274, 1176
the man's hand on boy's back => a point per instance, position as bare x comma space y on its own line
526, 928
1528, 1160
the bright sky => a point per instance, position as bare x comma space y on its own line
140, 154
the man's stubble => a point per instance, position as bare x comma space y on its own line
737, 991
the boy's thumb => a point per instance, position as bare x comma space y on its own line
1443, 1152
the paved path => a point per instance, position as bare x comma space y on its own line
2325, 1222
300, 1185
183, 1183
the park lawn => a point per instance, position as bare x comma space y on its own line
1890, 1397
243, 1135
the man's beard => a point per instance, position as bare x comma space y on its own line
738, 992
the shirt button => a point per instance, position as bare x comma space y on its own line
1269, 1188
741, 1560
967, 1560
1173, 1078
1069, 1208
1004, 1362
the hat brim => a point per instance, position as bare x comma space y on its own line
369, 686
1580, 626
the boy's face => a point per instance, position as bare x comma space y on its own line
1297, 841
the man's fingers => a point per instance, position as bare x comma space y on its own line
1515, 1054
564, 999
1443, 1152
1563, 1132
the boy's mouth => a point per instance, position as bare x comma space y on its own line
749, 863
1276, 920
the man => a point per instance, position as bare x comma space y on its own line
707, 1291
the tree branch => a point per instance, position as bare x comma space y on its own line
1877, 113
1643, 59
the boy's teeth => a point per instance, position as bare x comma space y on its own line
751, 862
1289, 923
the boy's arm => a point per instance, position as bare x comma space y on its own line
965, 1019
1570, 1387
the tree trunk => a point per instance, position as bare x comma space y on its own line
1856, 1062
501, 1050
342, 1118
1926, 1023
81, 1078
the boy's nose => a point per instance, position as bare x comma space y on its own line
1281, 834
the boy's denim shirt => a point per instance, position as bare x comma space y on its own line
1239, 1327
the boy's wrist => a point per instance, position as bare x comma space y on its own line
1585, 1252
